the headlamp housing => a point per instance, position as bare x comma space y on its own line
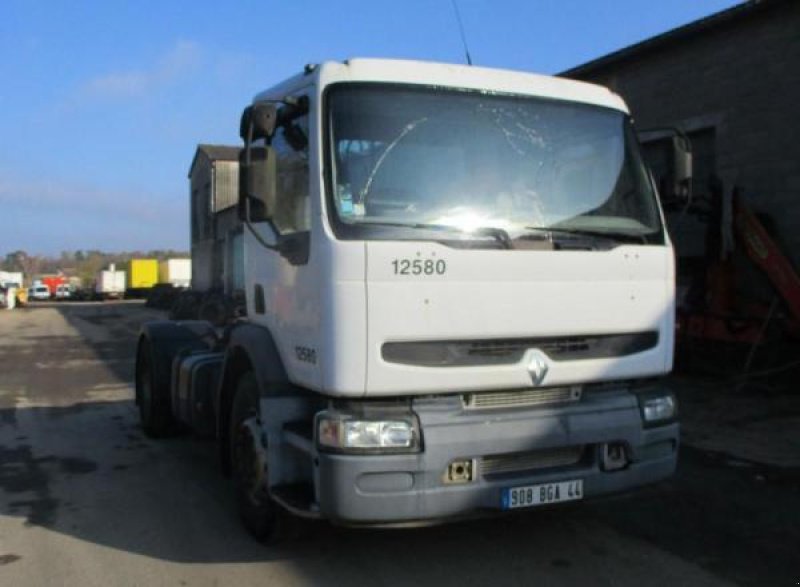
657, 406
376, 433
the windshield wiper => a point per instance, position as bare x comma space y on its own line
608, 235
627, 237
497, 234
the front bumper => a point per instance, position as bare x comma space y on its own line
390, 489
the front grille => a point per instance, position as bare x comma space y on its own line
553, 348
491, 348
465, 353
534, 460
522, 398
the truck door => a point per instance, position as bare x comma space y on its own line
282, 288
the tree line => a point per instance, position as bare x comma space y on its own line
81, 264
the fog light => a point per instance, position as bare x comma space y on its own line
658, 408
614, 456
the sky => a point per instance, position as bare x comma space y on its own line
102, 103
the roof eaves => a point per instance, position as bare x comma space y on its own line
215, 153
726, 16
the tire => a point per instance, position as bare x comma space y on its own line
261, 516
152, 395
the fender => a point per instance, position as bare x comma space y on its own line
172, 330
249, 347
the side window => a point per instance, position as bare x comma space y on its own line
293, 213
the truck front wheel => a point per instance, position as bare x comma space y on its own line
259, 513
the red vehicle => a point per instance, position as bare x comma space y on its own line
52, 282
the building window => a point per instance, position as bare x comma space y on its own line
658, 155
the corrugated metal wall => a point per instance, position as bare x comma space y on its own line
226, 192
214, 197
200, 186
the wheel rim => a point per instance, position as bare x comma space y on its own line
249, 466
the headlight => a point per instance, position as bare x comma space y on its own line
658, 408
350, 433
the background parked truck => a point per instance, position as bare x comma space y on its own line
175, 272
52, 282
142, 276
11, 278
12, 281
110, 283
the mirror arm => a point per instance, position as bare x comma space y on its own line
258, 237
246, 219
666, 130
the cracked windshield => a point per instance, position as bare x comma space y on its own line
478, 164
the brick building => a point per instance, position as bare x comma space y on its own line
731, 81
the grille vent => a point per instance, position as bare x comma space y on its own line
507, 351
531, 460
500, 348
522, 398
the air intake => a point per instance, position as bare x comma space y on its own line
531, 461
523, 398
466, 353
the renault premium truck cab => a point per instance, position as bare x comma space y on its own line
459, 301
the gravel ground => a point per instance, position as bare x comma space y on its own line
86, 499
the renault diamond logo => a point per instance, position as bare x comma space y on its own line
537, 368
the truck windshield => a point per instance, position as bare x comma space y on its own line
420, 162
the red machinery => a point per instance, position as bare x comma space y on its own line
724, 317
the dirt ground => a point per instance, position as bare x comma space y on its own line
87, 499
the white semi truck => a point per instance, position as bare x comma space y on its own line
175, 272
460, 300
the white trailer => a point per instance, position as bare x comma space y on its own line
177, 272
10, 282
460, 300
110, 283
11, 279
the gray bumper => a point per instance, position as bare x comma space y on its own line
386, 489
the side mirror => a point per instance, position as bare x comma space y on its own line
682, 167
257, 184
257, 179
258, 122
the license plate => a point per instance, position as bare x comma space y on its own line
533, 495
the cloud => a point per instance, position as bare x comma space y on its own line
58, 197
117, 84
49, 216
182, 59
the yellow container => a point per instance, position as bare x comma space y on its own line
142, 273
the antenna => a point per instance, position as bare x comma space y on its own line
461, 30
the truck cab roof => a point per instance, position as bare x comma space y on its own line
447, 75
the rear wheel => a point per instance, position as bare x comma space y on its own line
259, 513
152, 394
